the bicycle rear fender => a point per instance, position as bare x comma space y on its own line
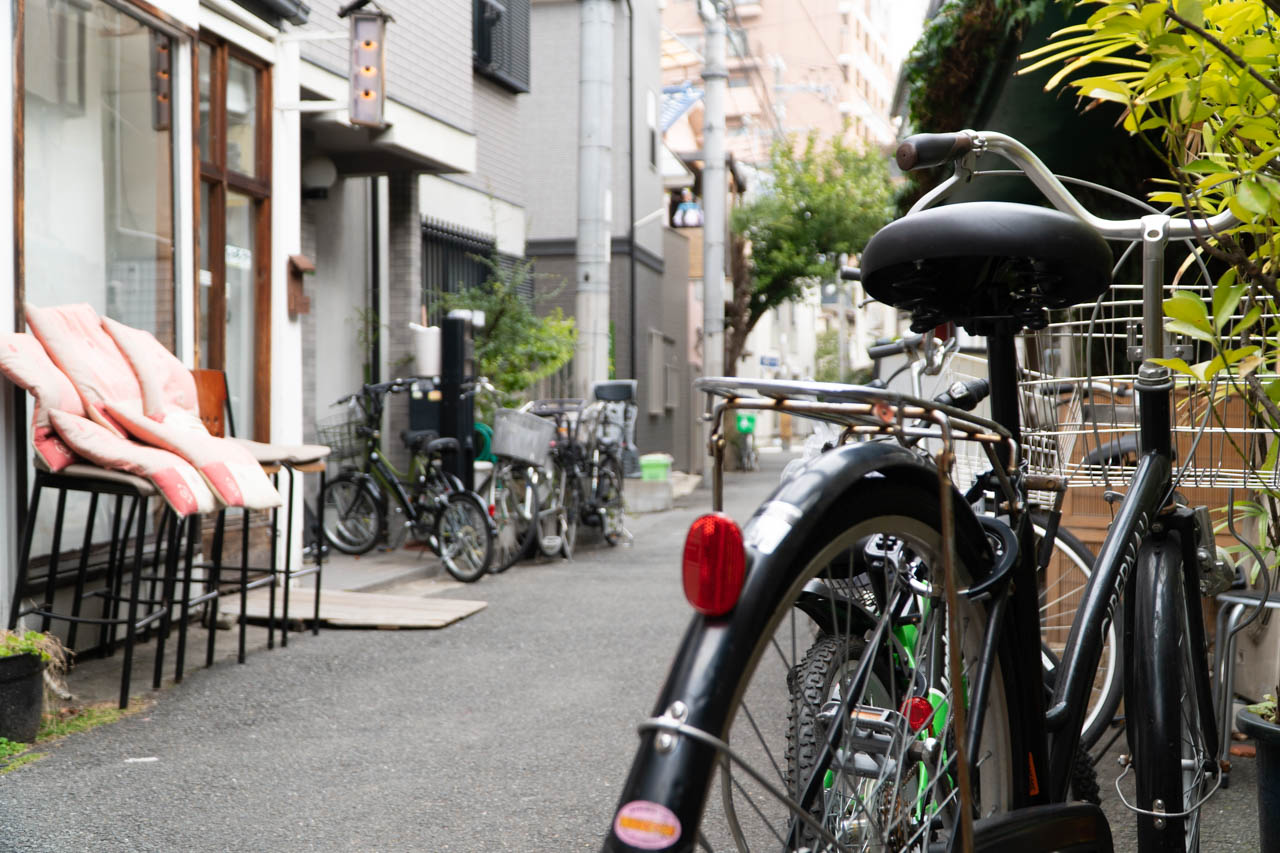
716, 651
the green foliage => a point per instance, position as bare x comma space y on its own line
21, 761
1266, 709
516, 347
825, 199
10, 748
827, 359
46, 646
1199, 81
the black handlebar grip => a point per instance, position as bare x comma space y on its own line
880, 351
926, 150
850, 274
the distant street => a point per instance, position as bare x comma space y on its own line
512, 730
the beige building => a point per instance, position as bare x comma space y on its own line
795, 66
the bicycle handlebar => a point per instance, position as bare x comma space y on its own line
1053, 189
879, 351
926, 150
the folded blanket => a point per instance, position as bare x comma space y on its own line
229, 469
177, 481
168, 390
27, 365
73, 337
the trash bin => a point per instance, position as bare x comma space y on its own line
656, 466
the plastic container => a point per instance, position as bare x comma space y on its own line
656, 466
522, 436
426, 349
746, 423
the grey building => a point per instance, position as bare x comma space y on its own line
649, 268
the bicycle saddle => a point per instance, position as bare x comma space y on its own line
984, 261
428, 441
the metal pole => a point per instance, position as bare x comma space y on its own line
714, 189
595, 226
842, 299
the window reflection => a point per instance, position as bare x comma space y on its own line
98, 165
242, 116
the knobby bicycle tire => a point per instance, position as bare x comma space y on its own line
781, 713
609, 501
354, 516
1061, 588
463, 537
1173, 745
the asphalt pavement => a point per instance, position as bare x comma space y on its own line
511, 730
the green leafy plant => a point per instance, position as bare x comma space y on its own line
516, 347
825, 199
1266, 709
10, 748
1199, 82
48, 647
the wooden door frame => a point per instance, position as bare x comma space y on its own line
258, 188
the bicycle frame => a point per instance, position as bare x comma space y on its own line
1147, 514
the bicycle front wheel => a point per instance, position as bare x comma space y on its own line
1170, 714
849, 706
462, 533
353, 516
1061, 591
513, 503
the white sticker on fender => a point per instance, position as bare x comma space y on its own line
646, 825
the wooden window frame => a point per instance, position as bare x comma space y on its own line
257, 187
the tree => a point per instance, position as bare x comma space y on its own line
516, 347
825, 199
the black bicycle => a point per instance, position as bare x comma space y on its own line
865, 669
435, 508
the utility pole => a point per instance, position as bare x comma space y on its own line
595, 196
714, 188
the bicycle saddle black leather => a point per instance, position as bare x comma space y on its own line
428, 441
978, 262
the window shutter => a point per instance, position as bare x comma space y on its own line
501, 45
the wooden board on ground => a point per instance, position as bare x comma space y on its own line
358, 609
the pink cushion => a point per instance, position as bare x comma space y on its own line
27, 365
74, 338
167, 385
178, 482
230, 470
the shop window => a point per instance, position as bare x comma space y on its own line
98, 164
500, 41
233, 324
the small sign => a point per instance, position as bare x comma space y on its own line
770, 361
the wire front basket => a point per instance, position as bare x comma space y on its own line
339, 432
1079, 407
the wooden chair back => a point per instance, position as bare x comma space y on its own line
211, 393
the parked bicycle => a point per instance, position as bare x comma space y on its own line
856, 676
358, 505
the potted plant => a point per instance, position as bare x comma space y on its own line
1260, 722
23, 660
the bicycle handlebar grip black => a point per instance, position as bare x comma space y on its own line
926, 150
965, 394
850, 274
880, 351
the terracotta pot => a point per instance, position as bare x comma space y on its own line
21, 697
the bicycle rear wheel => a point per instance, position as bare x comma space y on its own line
1061, 591
462, 534
608, 500
858, 646
353, 515
1170, 714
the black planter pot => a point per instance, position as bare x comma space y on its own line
1267, 737
21, 697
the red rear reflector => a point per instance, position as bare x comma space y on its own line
918, 712
714, 564
493, 511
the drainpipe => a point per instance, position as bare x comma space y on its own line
595, 196
631, 192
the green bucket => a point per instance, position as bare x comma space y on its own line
655, 466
